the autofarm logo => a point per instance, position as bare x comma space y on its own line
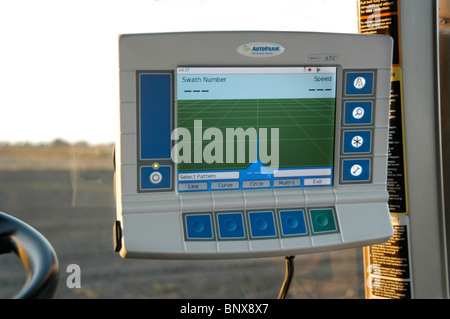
260, 49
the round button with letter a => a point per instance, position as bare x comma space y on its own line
359, 82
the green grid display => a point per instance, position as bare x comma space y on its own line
306, 128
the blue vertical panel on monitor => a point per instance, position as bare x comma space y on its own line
155, 115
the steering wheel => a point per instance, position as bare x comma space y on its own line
35, 252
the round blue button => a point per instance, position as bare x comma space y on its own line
230, 225
261, 224
292, 222
198, 226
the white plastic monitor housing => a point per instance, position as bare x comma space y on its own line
330, 91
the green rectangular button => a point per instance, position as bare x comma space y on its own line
322, 220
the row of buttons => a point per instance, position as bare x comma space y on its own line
152, 177
357, 134
259, 224
222, 185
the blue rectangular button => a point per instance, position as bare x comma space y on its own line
293, 222
358, 112
199, 226
160, 178
356, 170
231, 225
357, 142
262, 224
155, 105
359, 83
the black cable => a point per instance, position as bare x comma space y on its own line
288, 278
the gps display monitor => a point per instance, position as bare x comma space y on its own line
260, 127
251, 144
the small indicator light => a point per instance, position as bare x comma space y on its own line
155, 166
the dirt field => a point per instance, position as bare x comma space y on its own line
71, 203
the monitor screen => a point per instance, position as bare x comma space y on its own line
254, 127
223, 153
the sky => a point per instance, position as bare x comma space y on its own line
59, 58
